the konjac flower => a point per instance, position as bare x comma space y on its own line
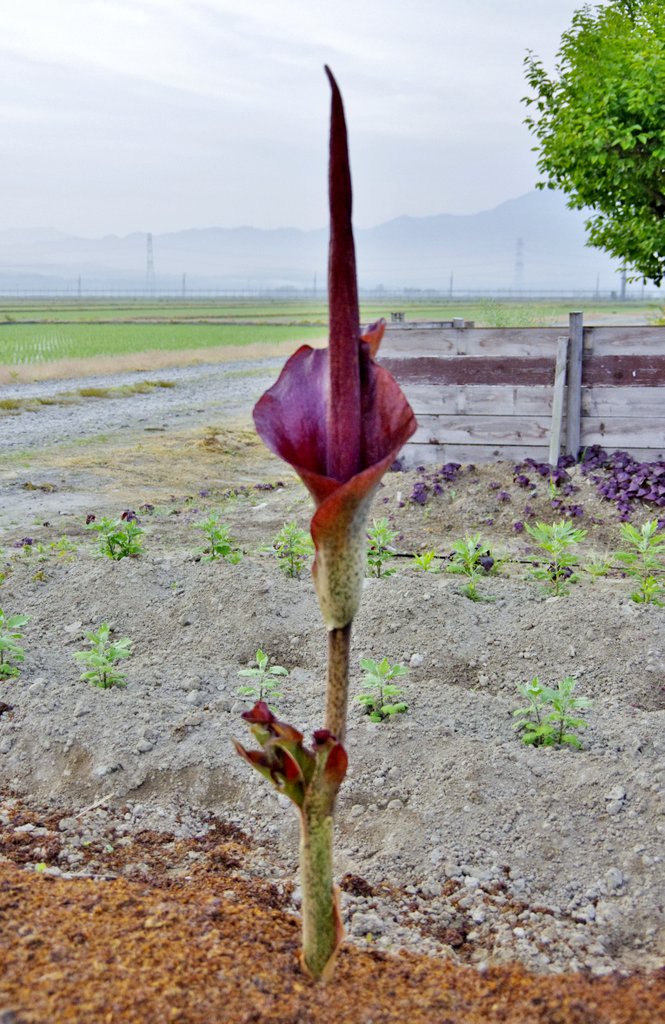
339, 420
336, 416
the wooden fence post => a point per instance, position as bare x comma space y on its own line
557, 400
574, 404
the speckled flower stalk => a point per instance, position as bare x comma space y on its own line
311, 779
339, 420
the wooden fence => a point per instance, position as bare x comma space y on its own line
481, 394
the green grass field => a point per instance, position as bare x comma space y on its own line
37, 331
22, 344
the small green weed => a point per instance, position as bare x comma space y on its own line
294, 548
63, 548
598, 566
118, 539
379, 702
220, 543
102, 658
265, 678
10, 650
380, 549
426, 562
471, 558
549, 715
645, 556
557, 540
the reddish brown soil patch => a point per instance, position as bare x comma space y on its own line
197, 941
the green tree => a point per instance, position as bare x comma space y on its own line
599, 122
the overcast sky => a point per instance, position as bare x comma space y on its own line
159, 115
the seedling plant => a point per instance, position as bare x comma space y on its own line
294, 548
220, 543
597, 566
548, 718
11, 651
471, 558
121, 538
265, 678
102, 658
645, 556
380, 550
426, 562
63, 548
557, 540
380, 701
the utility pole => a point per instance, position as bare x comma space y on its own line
184, 285
519, 265
149, 266
450, 286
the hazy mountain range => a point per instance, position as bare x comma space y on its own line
530, 243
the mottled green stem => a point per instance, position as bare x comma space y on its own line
321, 924
337, 686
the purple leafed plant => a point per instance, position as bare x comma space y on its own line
339, 420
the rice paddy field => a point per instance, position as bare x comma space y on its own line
43, 331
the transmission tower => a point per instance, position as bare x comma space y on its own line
149, 266
519, 265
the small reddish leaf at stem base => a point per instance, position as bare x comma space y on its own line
337, 764
260, 714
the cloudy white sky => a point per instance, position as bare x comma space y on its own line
159, 115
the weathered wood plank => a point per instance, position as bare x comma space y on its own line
622, 402
437, 454
519, 341
621, 371
483, 430
504, 400
471, 370
558, 401
574, 392
481, 399
619, 433
625, 370
525, 342
628, 340
433, 454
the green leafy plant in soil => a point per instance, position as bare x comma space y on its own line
265, 679
598, 566
549, 718
102, 658
380, 700
220, 544
121, 538
644, 557
11, 652
294, 548
471, 558
425, 562
558, 541
380, 549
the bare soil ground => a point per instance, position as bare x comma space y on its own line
147, 876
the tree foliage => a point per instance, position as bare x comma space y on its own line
600, 126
